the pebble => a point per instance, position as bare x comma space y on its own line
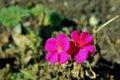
93, 20
113, 9
85, 28
17, 29
26, 24
65, 3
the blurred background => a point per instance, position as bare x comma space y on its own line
25, 25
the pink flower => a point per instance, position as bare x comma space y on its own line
57, 49
83, 45
72, 48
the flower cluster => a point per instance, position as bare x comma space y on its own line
60, 48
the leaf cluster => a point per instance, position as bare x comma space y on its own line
10, 16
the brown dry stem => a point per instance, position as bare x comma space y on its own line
95, 31
111, 44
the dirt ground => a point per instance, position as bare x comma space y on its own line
80, 12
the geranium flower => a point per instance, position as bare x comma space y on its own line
84, 48
57, 49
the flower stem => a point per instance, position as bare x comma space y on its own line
106, 23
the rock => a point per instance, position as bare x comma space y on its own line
17, 29
93, 20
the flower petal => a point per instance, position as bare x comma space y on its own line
89, 48
63, 57
85, 38
72, 48
81, 56
75, 36
52, 57
63, 41
51, 44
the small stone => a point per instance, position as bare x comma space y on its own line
26, 24
17, 29
93, 20
113, 9
65, 3
117, 41
85, 28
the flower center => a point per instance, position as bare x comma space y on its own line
59, 49
77, 46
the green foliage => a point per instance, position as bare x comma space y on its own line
54, 34
11, 16
53, 18
25, 74
37, 10
14, 76
34, 37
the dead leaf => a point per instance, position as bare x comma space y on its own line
4, 38
91, 74
21, 40
41, 18
28, 56
118, 41
27, 59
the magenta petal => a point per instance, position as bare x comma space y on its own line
89, 48
63, 41
75, 36
85, 38
63, 57
72, 48
51, 44
52, 57
81, 56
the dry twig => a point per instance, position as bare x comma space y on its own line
106, 36
111, 44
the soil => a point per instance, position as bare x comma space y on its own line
79, 12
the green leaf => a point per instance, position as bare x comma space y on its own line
53, 18
37, 10
54, 34
10, 16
